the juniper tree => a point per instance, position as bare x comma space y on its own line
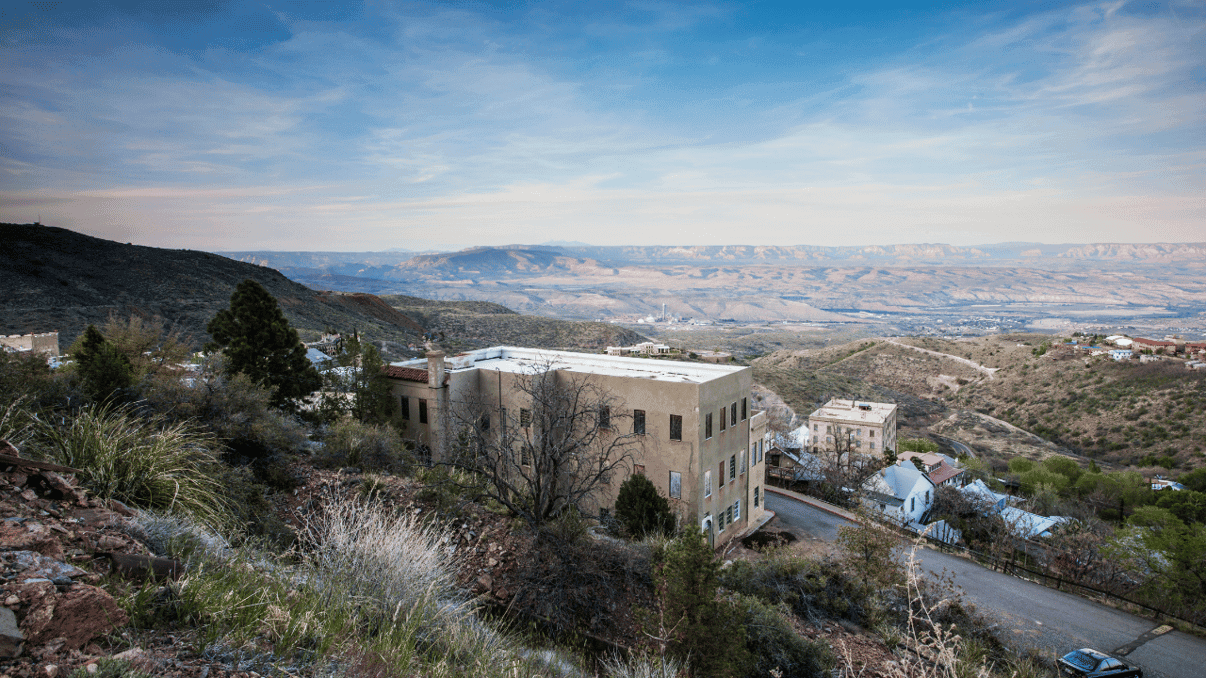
641, 509
102, 368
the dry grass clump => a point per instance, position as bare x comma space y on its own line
370, 593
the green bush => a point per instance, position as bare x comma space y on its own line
774, 644
641, 509
1020, 465
812, 589
144, 461
366, 446
237, 411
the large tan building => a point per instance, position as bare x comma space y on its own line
698, 439
853, 426
43, 342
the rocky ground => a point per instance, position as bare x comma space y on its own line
67, 559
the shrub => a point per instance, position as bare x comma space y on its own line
812, 589
237, 411
641, 509
367, 446
579, 584
144, 461
774, 644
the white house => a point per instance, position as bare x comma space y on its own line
1121, 354
900, 492
1029, 525
979, 491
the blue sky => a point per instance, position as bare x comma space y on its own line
367, 126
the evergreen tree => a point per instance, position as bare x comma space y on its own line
704, 631
372, 402
641, 509
258, 341
102, 368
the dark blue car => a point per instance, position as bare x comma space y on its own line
1086, 663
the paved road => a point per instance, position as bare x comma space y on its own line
1031, 614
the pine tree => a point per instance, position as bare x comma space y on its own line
641, 509
258, 341
102, 368
705, 631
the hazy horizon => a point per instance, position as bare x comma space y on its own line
239, 126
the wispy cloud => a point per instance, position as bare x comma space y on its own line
430, 125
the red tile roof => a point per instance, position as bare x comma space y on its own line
404, 373
943, 473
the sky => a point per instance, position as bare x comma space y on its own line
333, 126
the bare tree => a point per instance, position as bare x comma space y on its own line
566, 440
843, 464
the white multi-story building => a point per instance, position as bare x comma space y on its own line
854, 426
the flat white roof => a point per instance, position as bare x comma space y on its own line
859, 411
526, 360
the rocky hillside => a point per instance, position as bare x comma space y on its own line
57, 279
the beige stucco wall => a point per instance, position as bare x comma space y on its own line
659, 455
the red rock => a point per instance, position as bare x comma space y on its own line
79, 615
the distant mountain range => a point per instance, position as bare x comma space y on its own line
1002, 285
526, 258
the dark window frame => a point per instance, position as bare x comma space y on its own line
405, 407
676, 427
422, 410
707, 426
638, 422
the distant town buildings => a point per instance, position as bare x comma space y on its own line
643, 348
42, 342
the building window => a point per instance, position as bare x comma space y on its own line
732, 468
744, 409
422, 411
723, 418
484, 422
720, 474
708, 425
742, 467
756, 496
604, 416
871, 445
733, 414
927, 497
638, 422
707, 483
638, 469
676, 427
729, 517
737, 510
676, 485
523, 455
912, 504
525, 417
720, 522
405, 407
870, 434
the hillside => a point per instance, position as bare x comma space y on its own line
476, 324
1125, 413
1004, 396
58, 279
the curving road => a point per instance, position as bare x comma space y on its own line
1028, 613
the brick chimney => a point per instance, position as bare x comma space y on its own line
435, 369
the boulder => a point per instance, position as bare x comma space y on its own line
10, 635
77, 616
